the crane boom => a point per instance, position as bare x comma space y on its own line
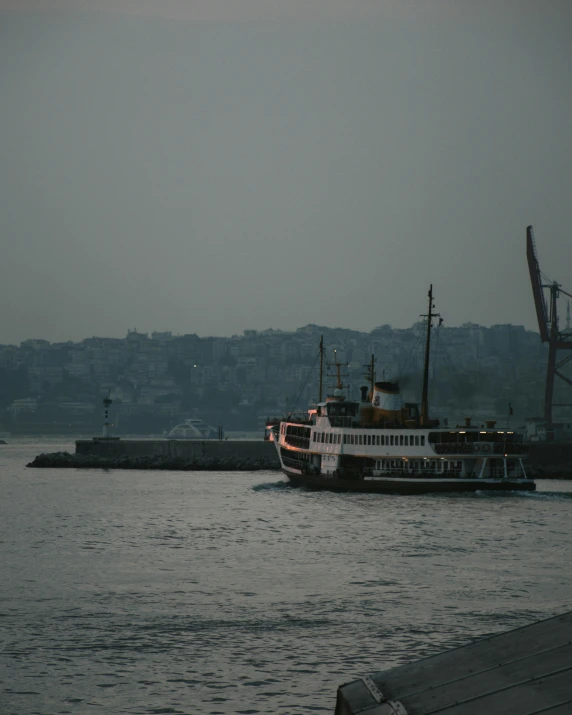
549, 333
536, 281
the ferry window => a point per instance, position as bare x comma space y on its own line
369, 439
401, 440
360, 439
406, 440
323, 434
417, 440
422, 440
378, 440
352, 438
391, 440
383, 439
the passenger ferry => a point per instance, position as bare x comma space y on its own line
381, 444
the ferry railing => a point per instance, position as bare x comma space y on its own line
297, 418
511, 448
296, 441
290, 461
342, 421
480, 449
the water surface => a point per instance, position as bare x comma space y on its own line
206, 593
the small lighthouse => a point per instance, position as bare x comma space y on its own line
106, 404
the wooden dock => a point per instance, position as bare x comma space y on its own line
526, 671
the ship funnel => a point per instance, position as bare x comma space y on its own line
386, 401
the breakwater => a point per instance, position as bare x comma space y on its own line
550, 460
545, 461
197, 455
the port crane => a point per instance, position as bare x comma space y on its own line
549, 330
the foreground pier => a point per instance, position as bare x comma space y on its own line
526, 671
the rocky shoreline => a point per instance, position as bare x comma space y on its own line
198, 464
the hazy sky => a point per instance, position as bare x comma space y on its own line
214, 165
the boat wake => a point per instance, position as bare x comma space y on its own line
272, 486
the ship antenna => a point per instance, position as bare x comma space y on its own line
370, 373
338, 376
321, 368
424, 395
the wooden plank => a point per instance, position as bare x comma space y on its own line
524, 699
491, 679
562, 709
526, 671
475, 657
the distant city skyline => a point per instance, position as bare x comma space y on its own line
260, 331
212, 167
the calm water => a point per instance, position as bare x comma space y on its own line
173, 592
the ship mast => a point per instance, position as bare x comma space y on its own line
338, 376
424, 395
370, 374
321, 368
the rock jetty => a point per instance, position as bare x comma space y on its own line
200, 463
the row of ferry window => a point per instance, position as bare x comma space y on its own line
401, 440
446, 465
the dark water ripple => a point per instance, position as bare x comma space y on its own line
143, 592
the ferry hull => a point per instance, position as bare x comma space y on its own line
404, 485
